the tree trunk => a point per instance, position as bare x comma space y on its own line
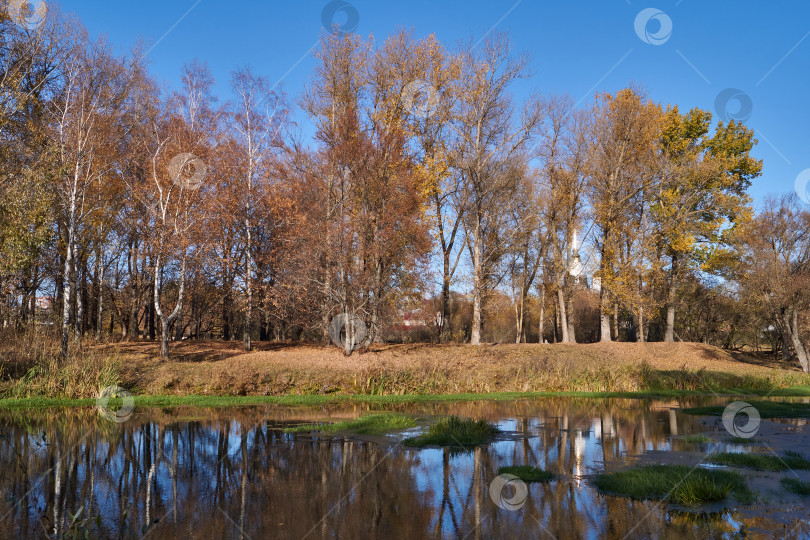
519, 318
540, 328
669, 335
248, 289
569, 311
604, 315
100, 313
616, 321
562, 311
78, 285
164, 319
164, 338
792, 324
556, 336
134, 306
640, 337
66, 288
445, 328
475, 337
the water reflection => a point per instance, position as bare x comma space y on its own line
231, 473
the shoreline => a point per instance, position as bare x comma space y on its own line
168, 401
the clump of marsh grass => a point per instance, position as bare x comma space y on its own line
455, 432
696, 439
527, 473
676, 483
763, 462
796, 486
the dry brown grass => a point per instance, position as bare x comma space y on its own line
30, 367
222, 368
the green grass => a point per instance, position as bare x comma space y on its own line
763, 462
165, 401
455, 432
796, 486
766, 409
369, 424
527, 473
676, 483
696, 439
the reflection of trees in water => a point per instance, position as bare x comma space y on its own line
234, 473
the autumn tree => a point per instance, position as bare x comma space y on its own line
490, 134
32, 68
373, 190
777, 270
256, 119
703, 194
621, 165
85, 118
561, 151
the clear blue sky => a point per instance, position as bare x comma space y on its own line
760, 49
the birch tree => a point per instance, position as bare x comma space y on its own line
256, 118
84, 116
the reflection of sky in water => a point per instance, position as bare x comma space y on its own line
573, 453
248, 468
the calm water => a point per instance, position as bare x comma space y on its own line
231, 473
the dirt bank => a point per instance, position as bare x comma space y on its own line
277, 368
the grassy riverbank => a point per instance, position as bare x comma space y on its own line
295, 400
220, 373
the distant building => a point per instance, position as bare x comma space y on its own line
419, 317
577, 270
44, 302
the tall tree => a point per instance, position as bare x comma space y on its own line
777, 270
257, 119
85, 114
489, 138
621, 165
703, 193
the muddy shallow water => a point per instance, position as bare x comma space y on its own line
233, 472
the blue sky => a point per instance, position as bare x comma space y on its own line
761, 51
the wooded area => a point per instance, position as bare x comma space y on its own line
129, 211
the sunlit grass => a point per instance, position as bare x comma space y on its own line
676, 483
192, 400
527, 473
696, 439
369, 424
763, 462
455, 432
